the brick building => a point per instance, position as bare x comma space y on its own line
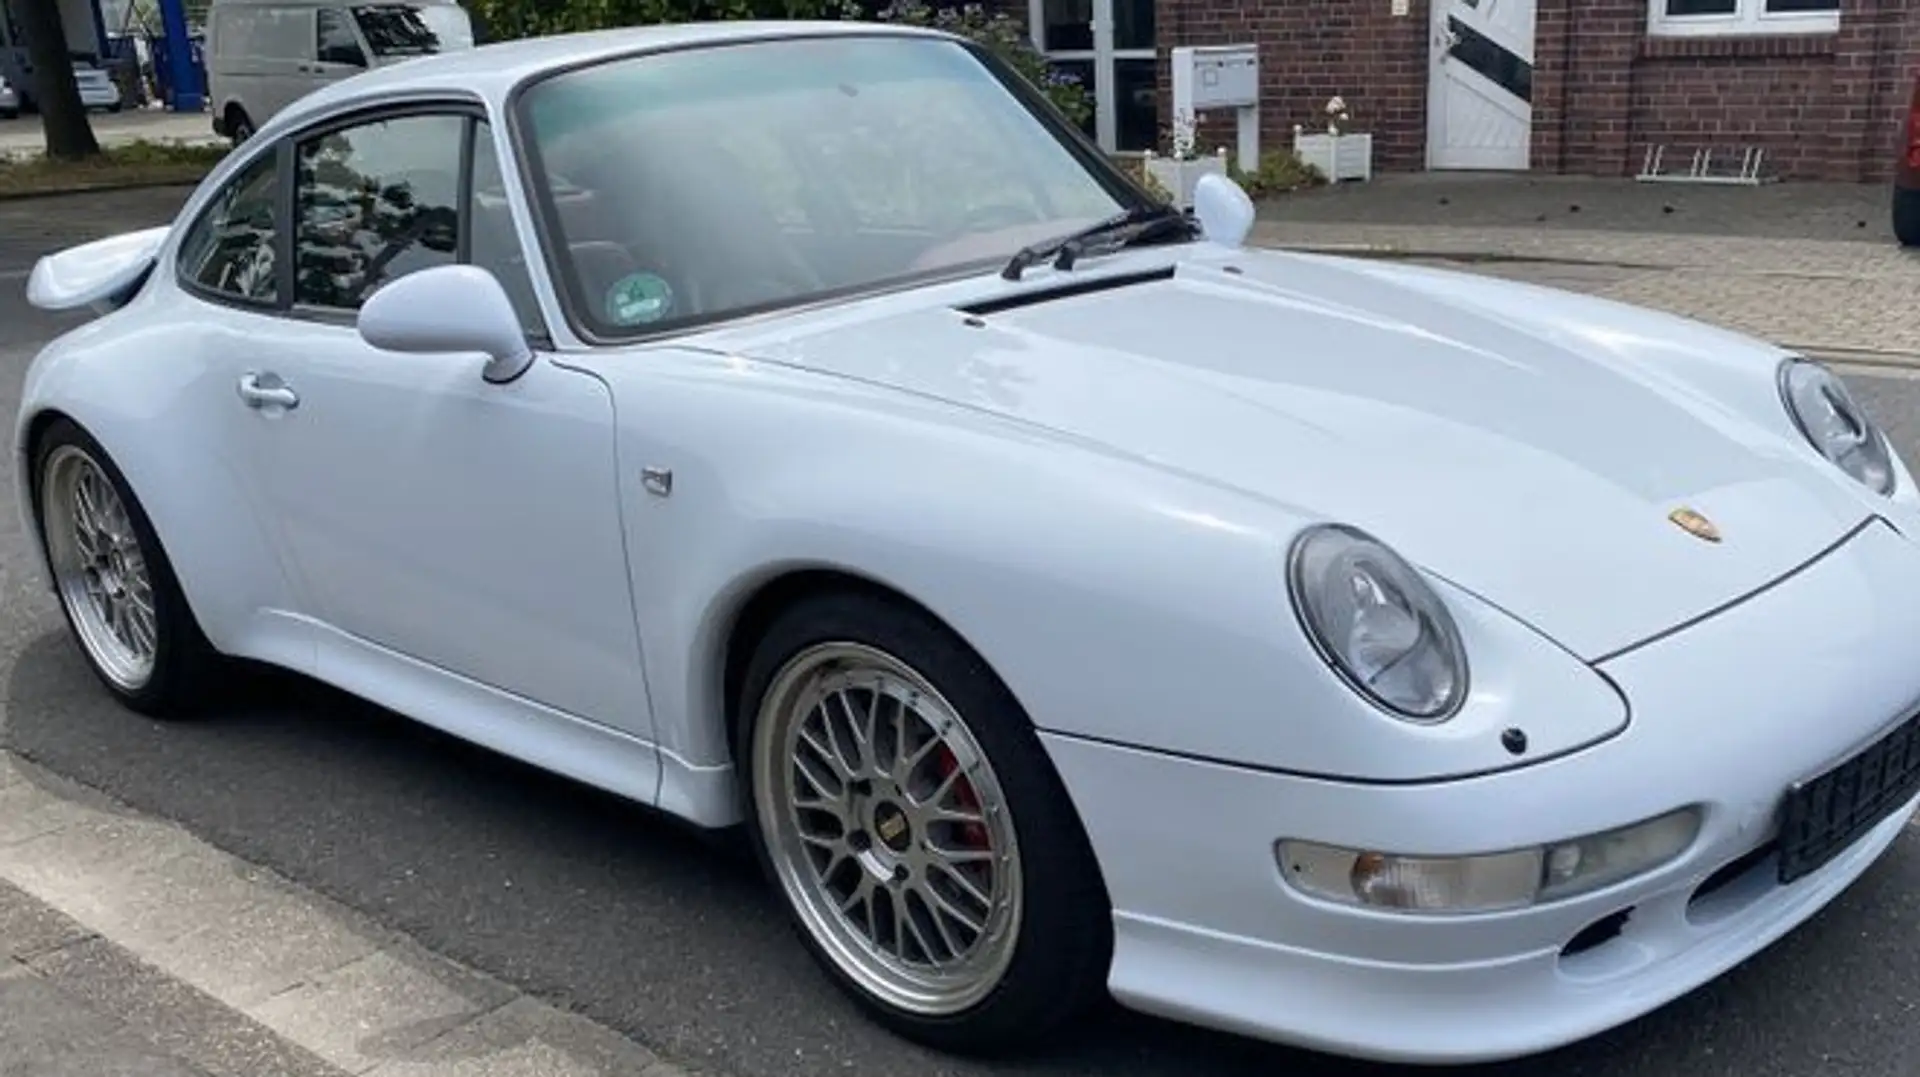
1579, 86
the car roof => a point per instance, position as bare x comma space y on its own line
494, 70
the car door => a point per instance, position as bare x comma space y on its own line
229, 263
470, 526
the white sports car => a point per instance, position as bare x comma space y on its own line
801, 425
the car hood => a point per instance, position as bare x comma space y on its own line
1506, 457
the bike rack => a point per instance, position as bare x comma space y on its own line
1701, 169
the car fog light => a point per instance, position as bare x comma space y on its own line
1489, 882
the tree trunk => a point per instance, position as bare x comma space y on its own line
62, 116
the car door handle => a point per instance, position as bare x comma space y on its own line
267, 391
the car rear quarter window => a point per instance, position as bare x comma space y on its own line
230, 249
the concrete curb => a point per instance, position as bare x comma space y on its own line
1387, 252
1858, 357
95, 188
232, 967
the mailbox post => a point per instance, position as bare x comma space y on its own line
1208, 77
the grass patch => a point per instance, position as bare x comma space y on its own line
135, 164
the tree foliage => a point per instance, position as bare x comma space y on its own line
994, 30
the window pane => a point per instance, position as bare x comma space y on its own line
697, 176
1080, 71
1066, 25
335, 43
1702, 7
1136, 101
496, 245
414, 29
374, 203
1789, 6
231, 248
1133, 24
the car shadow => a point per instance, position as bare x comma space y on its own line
671, 937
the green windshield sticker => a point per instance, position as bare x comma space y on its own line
639, 299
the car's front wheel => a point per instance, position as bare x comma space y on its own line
904, 807
114, 581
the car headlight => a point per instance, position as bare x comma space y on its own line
1377, 623
1839, 429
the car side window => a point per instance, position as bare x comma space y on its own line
495, 245
335, 42
231, 248
373, 203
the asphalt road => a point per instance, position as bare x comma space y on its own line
599, 907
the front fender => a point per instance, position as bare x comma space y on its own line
1117, 600
1717, 373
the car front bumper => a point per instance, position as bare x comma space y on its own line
1728, 713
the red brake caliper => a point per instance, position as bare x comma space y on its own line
972, 835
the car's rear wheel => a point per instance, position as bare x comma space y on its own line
905, 809
1906, 216
114, 581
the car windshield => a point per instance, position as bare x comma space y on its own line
414, 29
689, 185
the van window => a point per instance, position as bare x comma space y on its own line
414, 29
334, 40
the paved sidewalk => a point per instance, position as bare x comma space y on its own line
129, 947
25, 136
1815, 269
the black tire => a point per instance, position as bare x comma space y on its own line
1906, 216
239, 125
183, 659
1060, 962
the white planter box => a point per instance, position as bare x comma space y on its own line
1338, 157
1179, 177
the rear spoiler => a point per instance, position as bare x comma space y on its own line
103, 275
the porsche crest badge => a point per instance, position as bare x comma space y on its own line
1694, 524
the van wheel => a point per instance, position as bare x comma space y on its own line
239, 125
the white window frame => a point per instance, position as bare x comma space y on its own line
1749, 19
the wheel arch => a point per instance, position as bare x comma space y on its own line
180, 497
34, 430
751, 612
38, 426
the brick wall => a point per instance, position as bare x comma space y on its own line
1823, 107
1310, 51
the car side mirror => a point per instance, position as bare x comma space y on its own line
1225, 211
449, 309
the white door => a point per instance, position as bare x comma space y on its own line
1109, 46
1480, 98
472, 527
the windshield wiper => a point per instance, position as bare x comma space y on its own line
1119, 230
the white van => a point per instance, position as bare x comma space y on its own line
262, 55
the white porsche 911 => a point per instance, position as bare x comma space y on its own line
801, 425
